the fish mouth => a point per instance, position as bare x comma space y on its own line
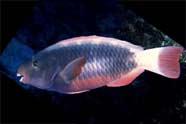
21, 77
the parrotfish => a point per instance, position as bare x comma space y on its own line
83, 63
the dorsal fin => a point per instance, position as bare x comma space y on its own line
95, 38
76, 39
126, 44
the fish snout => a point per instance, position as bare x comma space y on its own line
21, 74
21, 77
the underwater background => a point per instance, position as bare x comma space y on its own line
28, 27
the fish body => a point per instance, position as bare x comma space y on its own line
83, 63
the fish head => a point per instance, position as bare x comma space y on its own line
38, 71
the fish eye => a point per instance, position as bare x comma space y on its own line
35, 63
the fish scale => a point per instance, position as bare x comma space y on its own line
108, 61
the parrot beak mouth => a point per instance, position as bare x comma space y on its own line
21, 77
22, 73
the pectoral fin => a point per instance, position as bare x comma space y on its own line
73, 69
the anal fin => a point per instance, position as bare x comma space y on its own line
77, 92
126, 79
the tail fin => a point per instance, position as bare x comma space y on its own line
163, 60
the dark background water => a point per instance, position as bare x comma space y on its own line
155, 103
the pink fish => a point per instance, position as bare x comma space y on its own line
83, 63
